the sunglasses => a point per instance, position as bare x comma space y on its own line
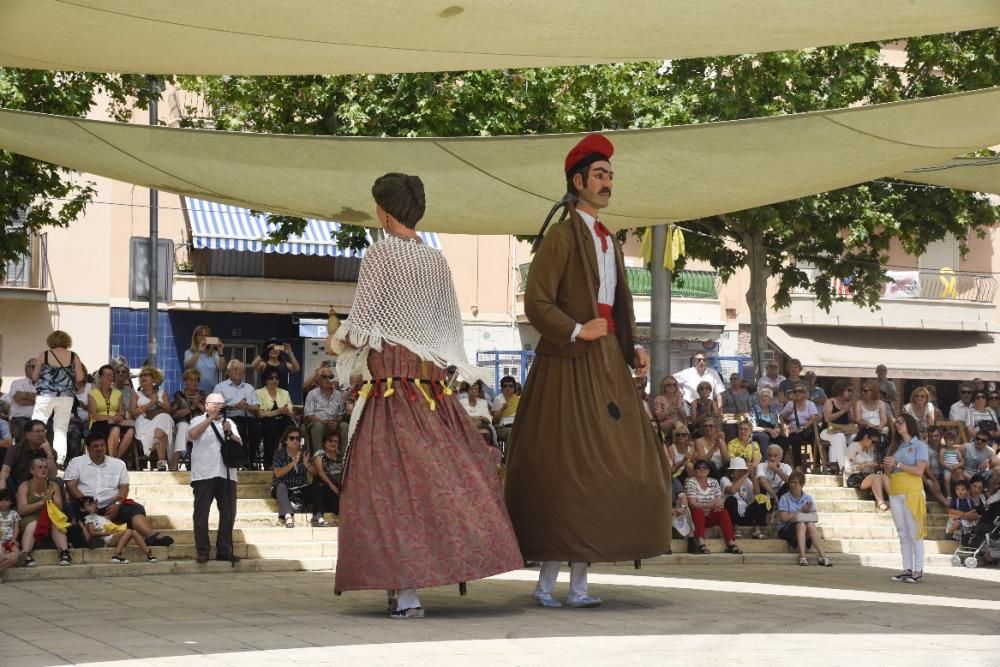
294, 437
964, 392
701, 467
507, 384
326, 376
669, 384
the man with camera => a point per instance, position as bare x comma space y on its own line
211, 480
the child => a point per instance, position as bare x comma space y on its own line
961, 512
9, 519
952, 461
797, 526
114, 534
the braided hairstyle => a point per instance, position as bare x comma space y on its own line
401, 196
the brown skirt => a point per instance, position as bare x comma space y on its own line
421, 504
586, 476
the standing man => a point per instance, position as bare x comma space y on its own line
22, 401
211, 480
242, 407
886, 387
586, 479
689, 379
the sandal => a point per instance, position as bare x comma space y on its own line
803, 561
825, 562
28, 561
757, 535
734, 549
320, 522
703, 549
882, 507
290, 521
151, 558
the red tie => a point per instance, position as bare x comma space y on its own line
602, 233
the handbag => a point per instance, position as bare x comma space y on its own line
806, 517
233, 453
846, 429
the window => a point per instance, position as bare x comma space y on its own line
940, 254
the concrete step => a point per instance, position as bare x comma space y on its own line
244, 519
88, 571
872, 519
184, 506
183, 478
151, 494
868, 546
95, 556
275, 550
814, 481
302, 532
879, 532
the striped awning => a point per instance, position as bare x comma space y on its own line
217, 226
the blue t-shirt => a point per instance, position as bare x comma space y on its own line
208, 366
788, 503
908, 453
961, 504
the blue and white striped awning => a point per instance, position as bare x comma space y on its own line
221, 227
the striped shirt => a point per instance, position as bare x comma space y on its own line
705, 496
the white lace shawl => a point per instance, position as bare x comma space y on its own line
406, 297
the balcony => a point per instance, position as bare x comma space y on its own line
26, 277
686, 284
914, 299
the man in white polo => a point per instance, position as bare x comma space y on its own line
689, 379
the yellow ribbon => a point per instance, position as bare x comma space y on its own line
950, 282
56, 516
446, 388
427, 397
389, 391
673, 249
365, 389
911, 487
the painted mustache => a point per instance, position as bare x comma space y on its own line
605, 191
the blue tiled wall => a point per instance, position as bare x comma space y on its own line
130, 338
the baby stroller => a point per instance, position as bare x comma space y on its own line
982, 542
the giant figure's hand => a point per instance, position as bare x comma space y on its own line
594, 329
641, 362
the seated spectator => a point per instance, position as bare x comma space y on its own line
106, 411
17, 461
962, 513
744, 447
312, 381
870, 410
277, 356
205, 356
800, 415
116, 535
932, 473
22, 395
740, 493
291, 476
504, 407
797, 526
771, 378
794, 377
952, 460
711, 447
10, 529
478, 410
980, 458
324, 408
704, 496
994, 396
862, 470
981, 417
276, 413
736, 399
327, 471
105, 479
188, 403
838, 414
32, 496
772, 475
766, 419
704, 407
689, 379
816, 393
960, 409
154, 424
6, 437
681, 452
241, 407
668, 406
921, 409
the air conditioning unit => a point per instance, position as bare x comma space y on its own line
767, 356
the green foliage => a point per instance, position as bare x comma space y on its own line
39, 194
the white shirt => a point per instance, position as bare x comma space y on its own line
773, 385
16, 409
688, 380
959, 411
479, 410
234, 393
318, 405
771, 476
607, 272
206, 452
100, 481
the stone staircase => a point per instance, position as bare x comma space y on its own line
854, 531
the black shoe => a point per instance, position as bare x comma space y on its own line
202, 558
157, 540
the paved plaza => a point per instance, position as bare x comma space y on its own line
736, 614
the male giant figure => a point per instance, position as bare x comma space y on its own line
586, 479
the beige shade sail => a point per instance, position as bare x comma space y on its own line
909, 355
351, 36
506, 185
978, 174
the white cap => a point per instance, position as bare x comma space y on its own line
737, 463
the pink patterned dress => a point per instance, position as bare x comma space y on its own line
421, 503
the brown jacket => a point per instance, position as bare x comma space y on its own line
570, 257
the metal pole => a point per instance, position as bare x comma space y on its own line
659, 326
154, 232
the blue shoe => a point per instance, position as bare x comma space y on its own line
547, 601
584, 602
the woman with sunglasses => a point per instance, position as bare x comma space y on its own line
154, 423
708, 508
704, 407
275, 412
800, 415
669, 408
107, 413
765, 418
981, 417
922, 410
682, 452
711, 447
291, 475
905, 466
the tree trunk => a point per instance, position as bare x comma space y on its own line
757, 297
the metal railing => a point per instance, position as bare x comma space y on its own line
28, 271
686, 284
506, 362
931, 284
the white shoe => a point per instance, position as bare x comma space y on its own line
547, 601
584, 602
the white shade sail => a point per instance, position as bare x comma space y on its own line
504, 185
978, 174
348, 36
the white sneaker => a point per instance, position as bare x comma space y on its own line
547, 601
